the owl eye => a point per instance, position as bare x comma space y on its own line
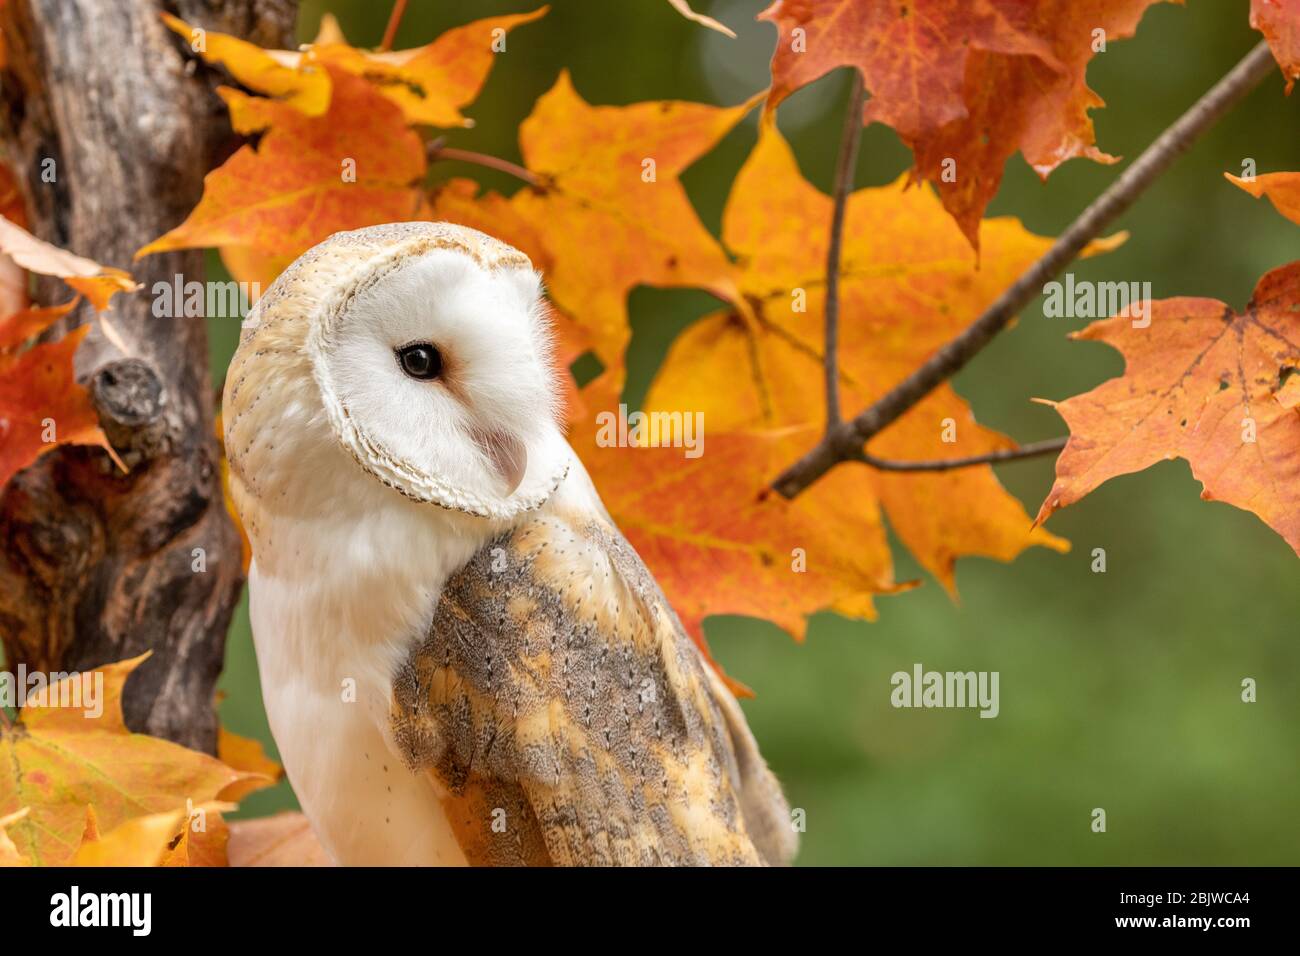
420, 361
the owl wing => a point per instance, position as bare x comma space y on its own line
568, 719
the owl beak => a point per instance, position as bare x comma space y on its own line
508, 455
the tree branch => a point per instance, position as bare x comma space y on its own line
844, 441
394, 21
110, 136
844, 169
436, 151
1032, 450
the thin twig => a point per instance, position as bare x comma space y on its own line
394, 21
844, 169
844, 441
437, 151
1032, 450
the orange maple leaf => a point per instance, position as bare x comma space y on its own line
24, 325
1279, 21
41, 404
1282, 188
965, 85
1216, 388
308, 177
202, 838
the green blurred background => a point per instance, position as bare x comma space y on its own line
1118, 690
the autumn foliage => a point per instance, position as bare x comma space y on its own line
337, 136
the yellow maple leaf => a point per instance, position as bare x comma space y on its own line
71, 748
908, 284
297, 82
610, 175
430, 84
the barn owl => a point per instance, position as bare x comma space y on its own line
462, 659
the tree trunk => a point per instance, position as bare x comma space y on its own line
96, 565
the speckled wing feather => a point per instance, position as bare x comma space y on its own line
569, 720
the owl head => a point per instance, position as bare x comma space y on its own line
422, 351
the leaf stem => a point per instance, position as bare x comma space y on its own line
844, 169
394, 21
1032, 450
844, 441
437, 151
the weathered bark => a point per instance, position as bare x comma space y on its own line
96, 565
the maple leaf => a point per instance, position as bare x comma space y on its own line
293, 190
432, 83
908, 284
156, 839
19, 327
296, 82
1279, 21
202, 839
138, 841
246, 754
429, 84
1205, 384
57, 760
41, 404
965, 85
610, 178
1282, 188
